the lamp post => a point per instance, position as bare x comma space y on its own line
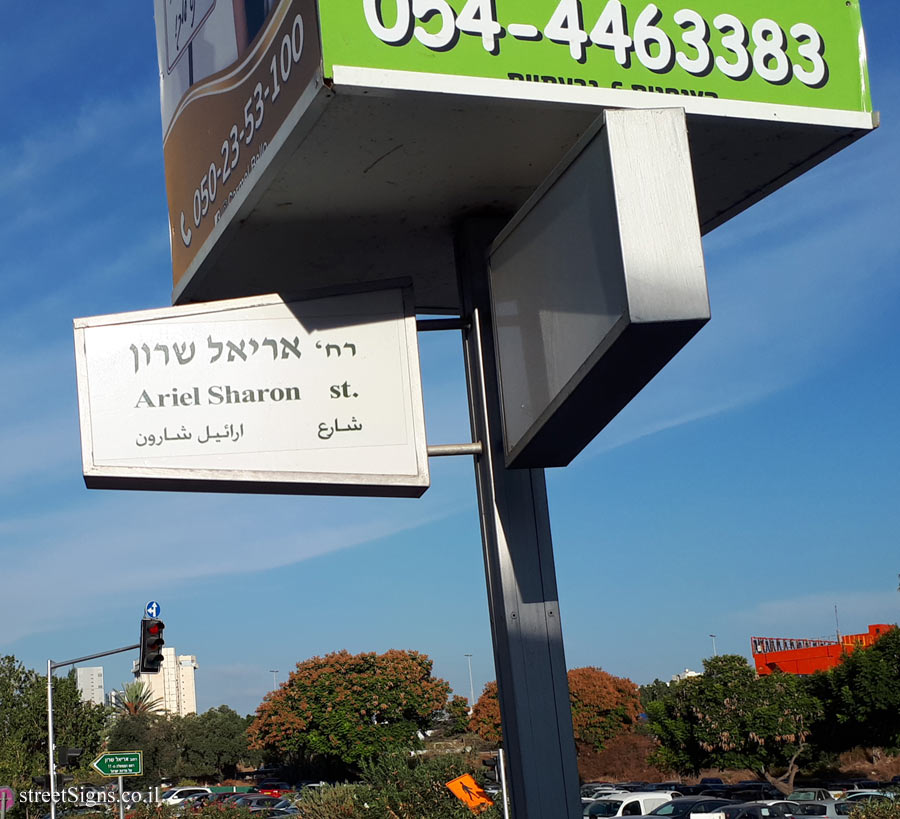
715, 653
471, 685
274, 673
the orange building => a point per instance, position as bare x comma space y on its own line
804, 656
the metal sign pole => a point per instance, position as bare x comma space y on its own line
121, 797
51, 745
503, 784
520, 572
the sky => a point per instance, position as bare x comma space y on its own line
750, 489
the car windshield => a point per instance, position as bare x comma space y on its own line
813, 809
844, 809
605, 807
168, 793
803, 795
671, 809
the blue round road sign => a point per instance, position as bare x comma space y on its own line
153, 609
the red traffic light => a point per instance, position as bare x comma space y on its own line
151, 645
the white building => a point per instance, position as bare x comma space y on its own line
90, 684
685, 675
173, 686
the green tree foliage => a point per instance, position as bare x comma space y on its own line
346, 708
603, 707
23, 722
877, 809
158, 737
214, 744
404, 787
730, 718
457, 716
861, 698
652, 692
137, 698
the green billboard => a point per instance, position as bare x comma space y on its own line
807, 53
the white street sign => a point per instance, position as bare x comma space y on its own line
319, 396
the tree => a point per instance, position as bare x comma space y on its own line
457, 715
159, 737
603, 706
215, 743
861, 698
345, 708
485, 720
652, 692
731, 718
137, 698
23, 722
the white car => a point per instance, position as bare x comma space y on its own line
628, 803
175, 796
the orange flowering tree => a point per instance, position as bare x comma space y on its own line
349, 707
485, 720
603, 706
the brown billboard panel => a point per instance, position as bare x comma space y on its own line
240, 73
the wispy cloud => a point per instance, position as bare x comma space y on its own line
65, 547
802, 297
803, 615
96, 123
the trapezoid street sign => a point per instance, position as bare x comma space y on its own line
119, 763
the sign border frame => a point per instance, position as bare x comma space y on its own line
255, 481
140, 755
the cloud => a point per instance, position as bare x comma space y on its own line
96, 123
803, 615
63, 549
794, 287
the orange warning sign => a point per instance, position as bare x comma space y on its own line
466, 789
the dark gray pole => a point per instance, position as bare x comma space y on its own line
521, 576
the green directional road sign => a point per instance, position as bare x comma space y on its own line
119, 763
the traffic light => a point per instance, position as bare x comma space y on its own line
151, 645
491, 764
68, 757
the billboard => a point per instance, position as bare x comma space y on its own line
232, 73
807, 53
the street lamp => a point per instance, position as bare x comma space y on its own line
471, 685
715, 653
274, 673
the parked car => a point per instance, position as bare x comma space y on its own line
257, 802
811, 795
590, 793
822, 808
274, 787
175, 796
628, 803
867, 796
757, 810
681, 807
754, 792
790, 808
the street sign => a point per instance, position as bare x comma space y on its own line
265, 394
119, 763
7, 798
153, 609
470, 793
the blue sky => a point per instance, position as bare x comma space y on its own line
751, 488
